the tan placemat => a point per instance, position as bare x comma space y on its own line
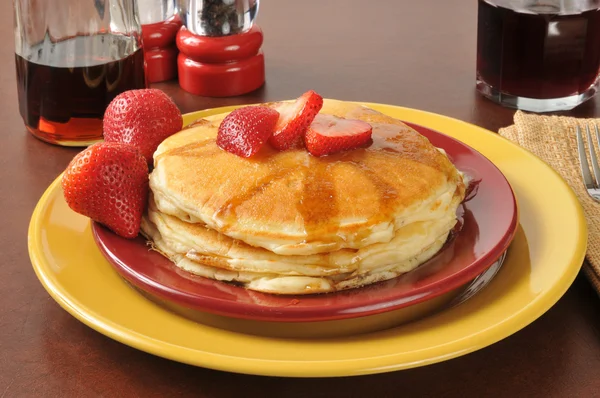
553, 139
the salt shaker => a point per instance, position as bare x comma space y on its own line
220, 48
160, 21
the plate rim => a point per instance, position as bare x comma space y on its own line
368, 365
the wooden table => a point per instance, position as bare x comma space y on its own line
418, 54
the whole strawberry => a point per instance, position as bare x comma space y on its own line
108, 182
143, 118
245, 130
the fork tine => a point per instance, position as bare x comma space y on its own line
597, 137
593, 157
585, 167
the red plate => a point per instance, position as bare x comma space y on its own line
489, 224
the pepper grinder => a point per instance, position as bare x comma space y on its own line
219, 48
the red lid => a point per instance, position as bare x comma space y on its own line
160, 34
220, 49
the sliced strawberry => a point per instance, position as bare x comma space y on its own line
108, 182
245, 130
294, 119
143, 118
328, 134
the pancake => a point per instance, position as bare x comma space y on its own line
294, 204
207, 245
288, 276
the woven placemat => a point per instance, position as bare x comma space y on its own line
553, 139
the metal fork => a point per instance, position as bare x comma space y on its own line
592, 184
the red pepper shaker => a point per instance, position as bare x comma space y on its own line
160, 22
219, 48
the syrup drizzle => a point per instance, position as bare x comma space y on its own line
227, 212
193, 149
318, 203
387, 193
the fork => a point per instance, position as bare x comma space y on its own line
592, 184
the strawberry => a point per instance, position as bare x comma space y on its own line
245, 130
294, 119
108, 182
328, 134
143, 118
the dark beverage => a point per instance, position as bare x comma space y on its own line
538, 50
65, 87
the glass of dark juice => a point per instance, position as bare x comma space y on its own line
538, 55
72, 58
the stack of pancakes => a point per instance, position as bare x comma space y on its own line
291, 223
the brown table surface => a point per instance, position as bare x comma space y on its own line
419, 54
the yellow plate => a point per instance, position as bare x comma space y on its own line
541, 264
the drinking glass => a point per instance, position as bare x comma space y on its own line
72, 58
538, 55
